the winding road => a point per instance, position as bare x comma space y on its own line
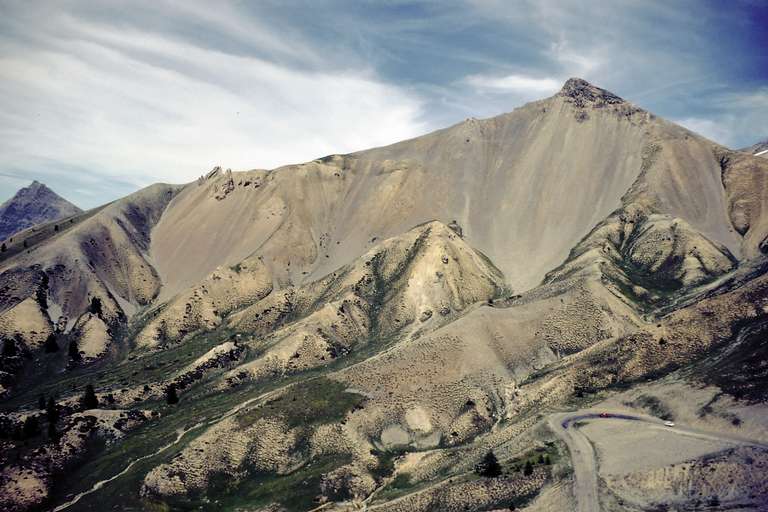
583, 453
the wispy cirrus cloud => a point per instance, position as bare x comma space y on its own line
137, 106
731, 113
97, 99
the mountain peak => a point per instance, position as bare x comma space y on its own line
35, 187
583, 93
33, 204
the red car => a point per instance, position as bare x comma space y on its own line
605, 415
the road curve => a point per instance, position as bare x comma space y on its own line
583, 453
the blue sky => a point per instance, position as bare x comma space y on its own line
98, 99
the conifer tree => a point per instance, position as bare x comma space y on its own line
170, 394
528, 469
89, 398
50, 344
489, 467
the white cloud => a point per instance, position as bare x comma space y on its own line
715, 130
738, 119
584, 63
140, 107
515, 83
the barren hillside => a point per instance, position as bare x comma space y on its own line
360, 331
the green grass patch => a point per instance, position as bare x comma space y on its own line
312, 402
295, 491
546, 455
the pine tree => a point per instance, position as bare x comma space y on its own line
50, 344
74, 351
89, 399
41, 402
52, 411
9, 348
528, 469
489, 467
31, 427
3, 248
96, 306
170, 394
541, 459
53, 435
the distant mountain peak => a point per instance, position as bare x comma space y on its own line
759, 149
33, 204
583, 93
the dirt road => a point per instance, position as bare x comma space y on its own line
583, 453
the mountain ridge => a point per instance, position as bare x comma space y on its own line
33, 205
364, 328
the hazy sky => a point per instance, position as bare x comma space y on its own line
98, 99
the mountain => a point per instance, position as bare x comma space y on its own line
759, 149
361, 330
33, 205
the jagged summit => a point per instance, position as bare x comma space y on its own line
32, 205
583, 93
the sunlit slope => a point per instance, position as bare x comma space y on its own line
524, 187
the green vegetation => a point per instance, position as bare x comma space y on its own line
31, 427
95, 307
542, 455
387, 459
89, 398
654, 406
401, 481
170, 395
50, 344
528, 468
741, 369
315, 401
74, 351
295, 491
9, 348
489, 467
